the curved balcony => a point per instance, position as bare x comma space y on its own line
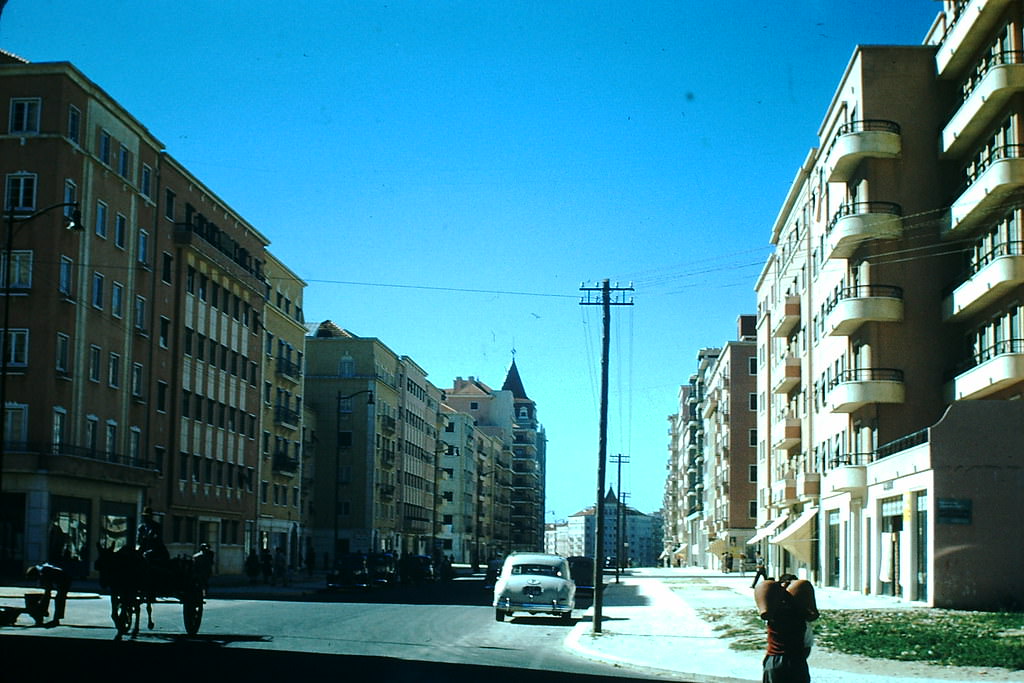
854, 389
997, 78
854, 306
808, 486
789, 317
997, 367
969, 31
858, 140
784, 491
999, 175
1000, 271
848, 475
857, 222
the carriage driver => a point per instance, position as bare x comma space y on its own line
149, 538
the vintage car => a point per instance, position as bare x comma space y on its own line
350, 571
536, 583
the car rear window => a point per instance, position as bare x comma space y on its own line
542, 569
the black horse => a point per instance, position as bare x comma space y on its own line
122, 574
133, 580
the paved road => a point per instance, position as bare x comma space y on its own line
381, 630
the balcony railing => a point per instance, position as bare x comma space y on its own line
1000, 348
856, 140
1012, 248
850, 307
285, 463
867, 375
852, 389
856, 222
287, 368
286, 416
78, 452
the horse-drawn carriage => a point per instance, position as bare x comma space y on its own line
132, 579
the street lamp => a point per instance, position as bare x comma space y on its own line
337, 455
73, 221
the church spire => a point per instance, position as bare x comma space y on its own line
514, 383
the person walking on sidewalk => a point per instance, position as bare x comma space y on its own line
788, 606
761, 572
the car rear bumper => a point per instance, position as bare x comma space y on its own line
553, 607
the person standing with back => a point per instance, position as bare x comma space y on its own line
787, 605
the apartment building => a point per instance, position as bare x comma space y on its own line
133, 379
889, 325
529, 454
376, 482
637, 536
729, 416
281, 445
677, 540
491, 412
474, 479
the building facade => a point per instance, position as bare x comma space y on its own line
280, 522
377, 480
628, 533
143, 383
529, 453
889, 325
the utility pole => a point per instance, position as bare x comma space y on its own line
618, 459
606, 302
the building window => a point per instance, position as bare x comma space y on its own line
120, 230
97, 290
166, 267
21, 269
752, 473
752, 509
161, 396
64, 281
114, 370
74, 124
110, 434
165, 332
101, 220
60, 418
92, 427
94, 363
752, 401
203, 282
752, 437
104, 147
137, 380
63, 352
117, 300
140, 313
21, 192
16, 348
143, 251
752, 365
25, 115
70, 197
169, 204
146, 181
124, 162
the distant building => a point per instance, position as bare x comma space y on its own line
529, 453
640, 535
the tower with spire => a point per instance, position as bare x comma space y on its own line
528, 467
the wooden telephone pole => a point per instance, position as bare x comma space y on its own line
609, 296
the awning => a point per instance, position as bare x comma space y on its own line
768, 529
716, 546
796, 538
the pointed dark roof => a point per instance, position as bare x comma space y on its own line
611, 497
514, 383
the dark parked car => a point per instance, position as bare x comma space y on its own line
416, 568
383, 569
582, 570
350, 571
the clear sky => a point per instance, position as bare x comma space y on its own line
444, 175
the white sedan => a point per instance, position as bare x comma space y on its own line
537, 583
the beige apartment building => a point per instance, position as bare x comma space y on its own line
376, 476
491, 414
529, 458
475, 489
133, 367
889, 325
710, 507
280, 521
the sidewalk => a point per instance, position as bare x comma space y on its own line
647, 623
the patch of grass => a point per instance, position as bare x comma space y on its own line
945, 637
937, 636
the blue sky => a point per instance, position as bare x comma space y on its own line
445, 174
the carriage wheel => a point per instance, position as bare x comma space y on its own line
192, 612
124, 611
